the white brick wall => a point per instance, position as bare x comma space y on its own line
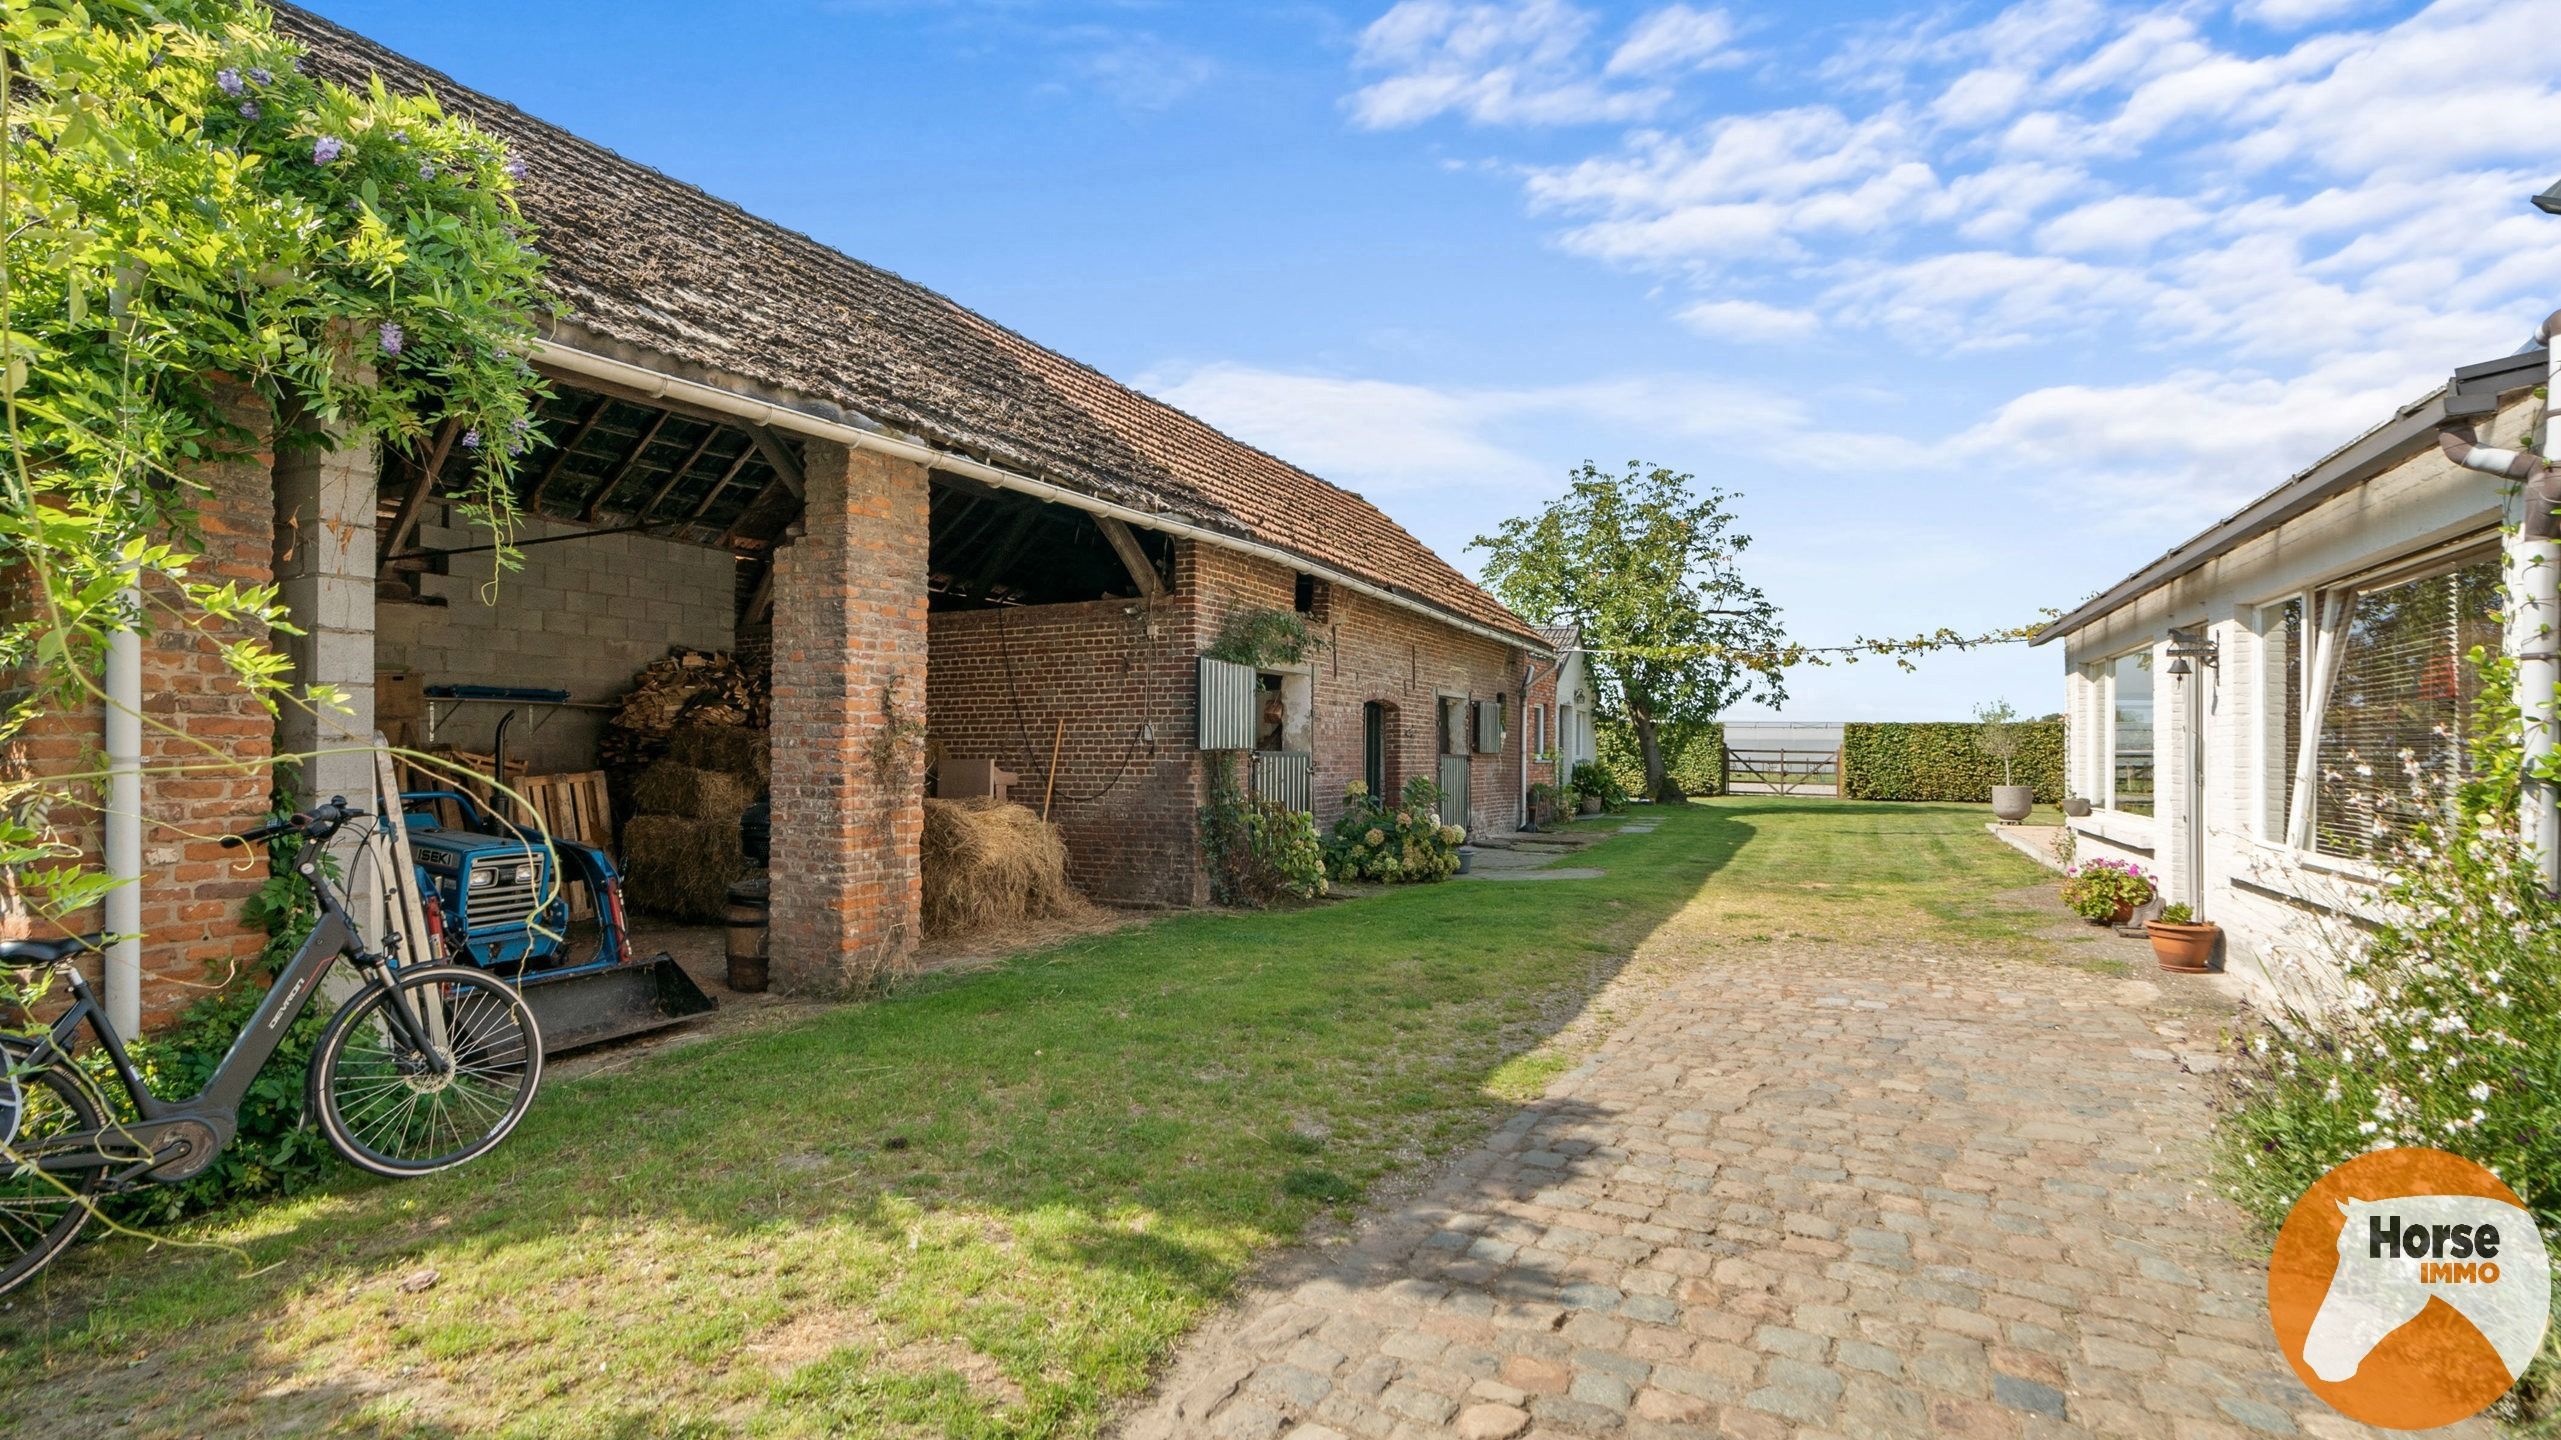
583, 616
2274, 904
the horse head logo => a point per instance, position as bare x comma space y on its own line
2479, 1255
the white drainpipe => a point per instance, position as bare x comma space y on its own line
123, 826
2534, 604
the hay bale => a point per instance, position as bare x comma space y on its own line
732, 750
681, 868
669, 788
987, 863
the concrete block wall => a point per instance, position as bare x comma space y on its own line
584, 616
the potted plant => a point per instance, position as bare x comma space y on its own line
2181, 942
1595, 788
1998, 738
2106, 892
1546, 802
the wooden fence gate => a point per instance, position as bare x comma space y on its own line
1760, 771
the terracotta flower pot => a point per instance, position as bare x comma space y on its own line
2123, 914
2183, 949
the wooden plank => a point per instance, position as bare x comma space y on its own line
1132, 554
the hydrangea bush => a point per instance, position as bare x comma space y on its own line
2439, 1026
2097, 889
1409, 843
1258, 850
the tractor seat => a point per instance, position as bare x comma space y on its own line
34, 951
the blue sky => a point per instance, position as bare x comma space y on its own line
1977, 307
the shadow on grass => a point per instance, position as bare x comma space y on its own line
1058, 1163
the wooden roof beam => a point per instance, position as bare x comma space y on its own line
1133, 555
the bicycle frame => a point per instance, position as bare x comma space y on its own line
216, 1108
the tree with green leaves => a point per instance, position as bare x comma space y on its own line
1645, 566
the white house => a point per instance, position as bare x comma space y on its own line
1559, 706
2241, 710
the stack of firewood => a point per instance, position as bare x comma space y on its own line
688, 689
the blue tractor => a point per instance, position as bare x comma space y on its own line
545, 914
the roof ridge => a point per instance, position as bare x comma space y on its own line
909, 373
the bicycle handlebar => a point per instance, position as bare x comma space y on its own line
317, 823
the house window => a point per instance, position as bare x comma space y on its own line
2396, 730
2130, 734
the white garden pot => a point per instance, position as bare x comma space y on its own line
2011, 803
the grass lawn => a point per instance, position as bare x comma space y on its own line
987, 1205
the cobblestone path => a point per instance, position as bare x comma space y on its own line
1824, 1191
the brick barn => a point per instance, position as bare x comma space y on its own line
951, 545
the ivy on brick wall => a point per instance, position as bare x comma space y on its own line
1946, 760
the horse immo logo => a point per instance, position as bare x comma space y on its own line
2409, 1288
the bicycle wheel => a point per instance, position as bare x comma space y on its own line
397, 1110
40, 1212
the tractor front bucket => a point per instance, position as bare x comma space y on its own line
589, 1007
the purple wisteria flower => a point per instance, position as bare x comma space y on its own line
515, 168
325, 149
229, 81
391, 337
249, 110
400, 136
426, 169
258, 75
471, 438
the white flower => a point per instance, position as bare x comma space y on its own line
2368, 1128
2479, 1091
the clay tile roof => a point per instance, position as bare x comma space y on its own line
648, 262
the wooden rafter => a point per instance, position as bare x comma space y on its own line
630, 458
414, 504
778, 455
1132, 555
560, 457
673, 476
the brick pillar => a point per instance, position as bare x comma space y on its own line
325, 577
849, 707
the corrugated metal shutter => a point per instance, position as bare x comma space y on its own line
1287, 776
1489, 727
1226, 705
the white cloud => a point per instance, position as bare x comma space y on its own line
1749, 320
2292, 14
2121, 224
1495, 64
1675, 37
1397, 437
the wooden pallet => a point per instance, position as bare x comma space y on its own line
571, 807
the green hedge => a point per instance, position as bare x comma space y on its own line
1698, 770
1942, 761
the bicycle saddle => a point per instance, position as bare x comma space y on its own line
33, 951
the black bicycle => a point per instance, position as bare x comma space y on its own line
423, 1068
